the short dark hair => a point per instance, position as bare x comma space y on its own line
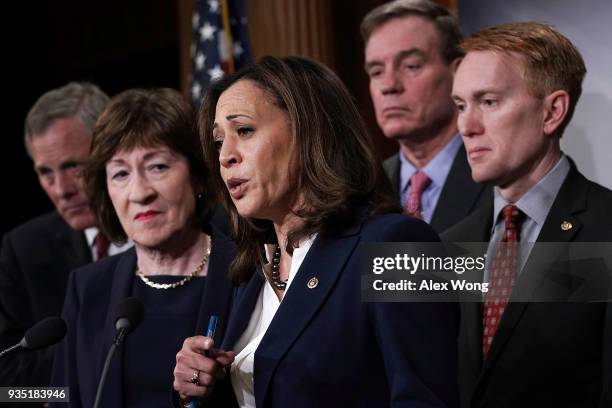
446, 23
338, 170
81, 100
550, 61
144, 118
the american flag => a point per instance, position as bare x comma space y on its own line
220, 42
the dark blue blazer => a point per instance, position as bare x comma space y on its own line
93, 294
326, 348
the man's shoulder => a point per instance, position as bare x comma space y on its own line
598, 205
473, 227
600, 194
391, 163
49, 240
459, 232
393, 159
584, 197
44, 246
394, 227
43, 226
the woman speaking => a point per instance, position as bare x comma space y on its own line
147, 182
303, 189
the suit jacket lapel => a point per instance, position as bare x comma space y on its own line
570, 200
459, 194
325, 261
392, 169
478, 225
121, 288
244, 303
68, 252
73, 247
471, 323
218, 287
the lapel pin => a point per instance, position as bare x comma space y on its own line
566, 226
312, 283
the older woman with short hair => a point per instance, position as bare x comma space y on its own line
303, 189
147, 182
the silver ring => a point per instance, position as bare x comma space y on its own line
195, 378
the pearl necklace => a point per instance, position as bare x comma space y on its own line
278, 284
183, 281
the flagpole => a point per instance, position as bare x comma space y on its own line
227, 31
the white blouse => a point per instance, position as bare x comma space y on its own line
267, 304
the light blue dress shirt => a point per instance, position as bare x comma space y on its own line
535, 204
437, 170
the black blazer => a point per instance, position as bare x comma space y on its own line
460, 194
35, 262
326, 348
93, 294
543, 354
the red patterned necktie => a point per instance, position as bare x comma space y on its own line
102, 244
418, 183
502, 274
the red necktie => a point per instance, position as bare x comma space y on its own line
418, 183
502, 275
102, 244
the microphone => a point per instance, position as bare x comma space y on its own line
128, 316
44, 333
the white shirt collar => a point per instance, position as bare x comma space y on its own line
297, 258
91, 234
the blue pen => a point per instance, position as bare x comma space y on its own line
210, 332
212, 326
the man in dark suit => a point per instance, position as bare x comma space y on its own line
36, 257
411, 53
516, 90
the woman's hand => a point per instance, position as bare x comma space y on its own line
195, 374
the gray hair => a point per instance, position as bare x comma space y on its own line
446, 23
82, 100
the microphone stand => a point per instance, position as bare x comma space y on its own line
8, 350
118, 338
